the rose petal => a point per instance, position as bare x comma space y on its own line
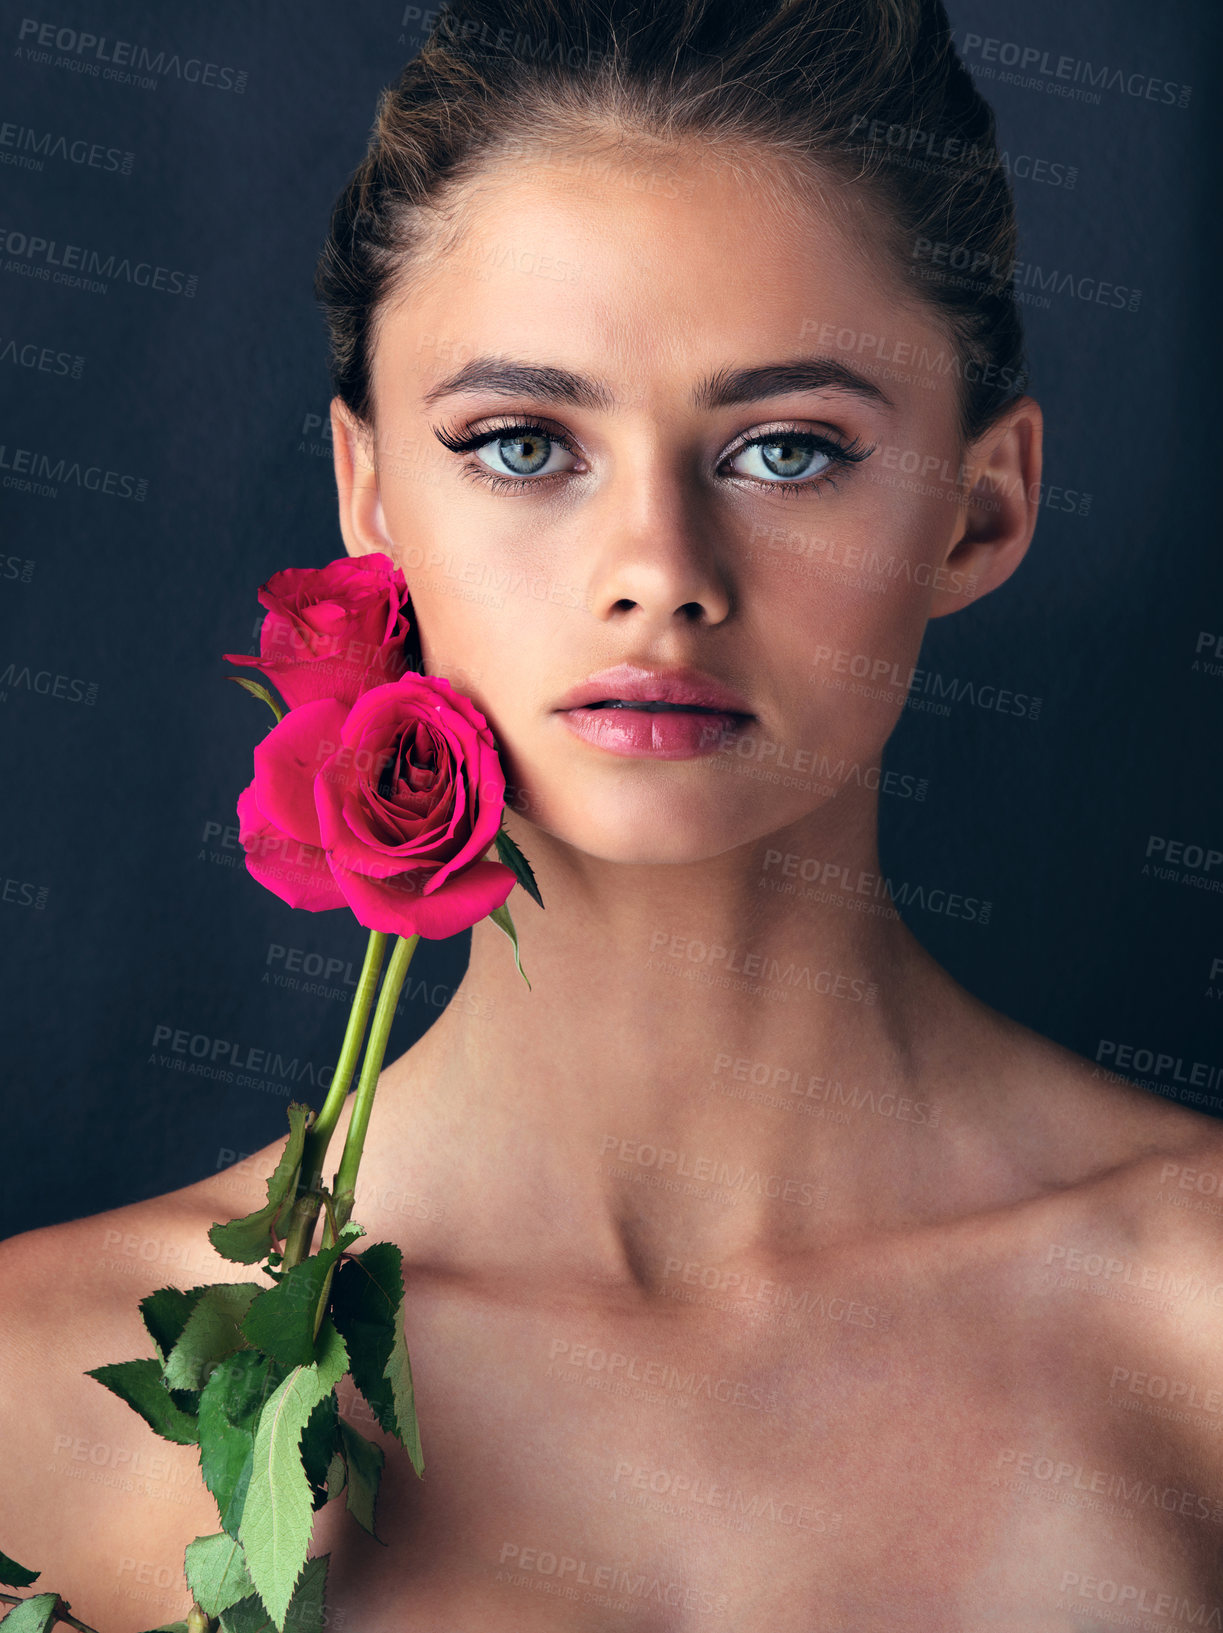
297, 873
398, 908
289, 759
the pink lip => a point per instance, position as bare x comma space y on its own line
635, 684
717, 712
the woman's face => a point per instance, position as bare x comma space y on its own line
642, 423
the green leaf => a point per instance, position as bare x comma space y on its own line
320, 1441
363, 1460
337, 1473
256, 690
140, 1384
213, 1330
518, 865
306, 1613
216, 1572
165, 1314
501, 918
247, 1240
278, 1513
281, 1319
367, 1306
33, 1615
170, 1627
14, 1575
230, 1405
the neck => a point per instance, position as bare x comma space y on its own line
692, 1021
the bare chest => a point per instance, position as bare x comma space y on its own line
838, 1453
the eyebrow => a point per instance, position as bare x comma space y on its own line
725, 388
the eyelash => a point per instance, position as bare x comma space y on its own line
843, 455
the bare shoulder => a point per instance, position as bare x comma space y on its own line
94, 1500
1118, 1230
1057, 1118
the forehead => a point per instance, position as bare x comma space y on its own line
647, 270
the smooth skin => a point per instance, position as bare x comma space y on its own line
739, 1296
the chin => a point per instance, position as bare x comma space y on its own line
646, 828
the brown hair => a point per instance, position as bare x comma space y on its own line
866, 92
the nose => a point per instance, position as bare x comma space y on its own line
656, 559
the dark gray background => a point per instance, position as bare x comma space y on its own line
125, 906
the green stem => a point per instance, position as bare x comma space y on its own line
379, 1035
344, 1187
314, 1152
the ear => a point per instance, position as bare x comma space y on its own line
1002, 503
356, 478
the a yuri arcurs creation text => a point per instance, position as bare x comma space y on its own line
380, 790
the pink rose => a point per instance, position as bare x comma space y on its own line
387, 806
332, 631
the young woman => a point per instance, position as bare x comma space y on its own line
758, 1275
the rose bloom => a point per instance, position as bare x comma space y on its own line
332, 631
386, 807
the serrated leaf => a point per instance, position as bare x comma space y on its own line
363, 1460
140, 1384
216, 1572
281, 1320
367, 1307
278, 1513
320, 1441
256, 690
14, 1575
230, 1405
518, 865
33, 1615
247, 1240
213, 1330
501, 918
307, 1611
165, 1314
